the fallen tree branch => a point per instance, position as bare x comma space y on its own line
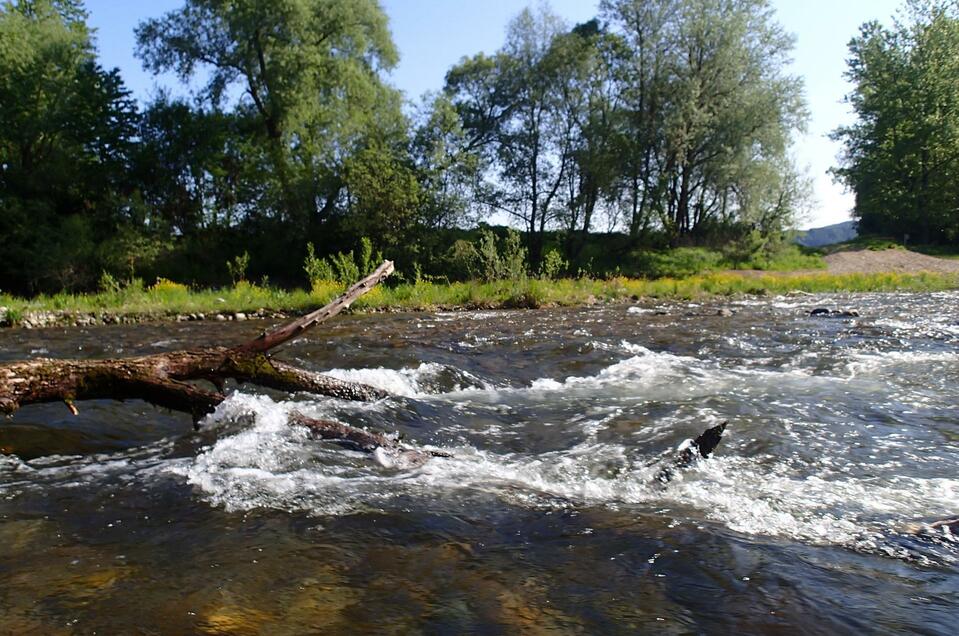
289, 331
164, 379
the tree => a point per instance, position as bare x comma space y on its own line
509, 104
590, 101
446, 165
383, 196
306, 72
641, 71
710, 108
66, 132
900, 157
190, 164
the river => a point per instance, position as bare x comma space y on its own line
842, 432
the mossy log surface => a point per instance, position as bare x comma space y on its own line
165, 379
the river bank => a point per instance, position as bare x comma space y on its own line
167, 301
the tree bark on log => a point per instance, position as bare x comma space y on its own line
164, 379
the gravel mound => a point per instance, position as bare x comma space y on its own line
892, 260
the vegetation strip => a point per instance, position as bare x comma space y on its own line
170, 301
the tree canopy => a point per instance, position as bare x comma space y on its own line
669, 121
302, 77
66, 134
672, 114
900, 157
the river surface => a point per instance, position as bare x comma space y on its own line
842, 432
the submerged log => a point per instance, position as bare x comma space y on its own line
165, 379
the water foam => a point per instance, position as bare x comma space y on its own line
426, 379
270, 464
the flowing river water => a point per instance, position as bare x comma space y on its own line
842, 432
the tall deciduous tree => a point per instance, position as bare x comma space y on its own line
901, 157
510, 104
712, 108
591, 103
307, 72
66, 128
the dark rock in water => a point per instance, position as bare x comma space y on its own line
700, 448
834, 313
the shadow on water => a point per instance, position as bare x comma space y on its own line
125, 520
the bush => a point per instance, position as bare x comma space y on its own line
318, 270
788, 258
164, 286
501, 260
347, 271
553, 265
677, 263
343, 268
238, 266
325, 290
462, 261
108, 284
368, 260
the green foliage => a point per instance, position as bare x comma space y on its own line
130, 251
489, 261
342, 268
108, 284
310, 94
167, 298
238, 266
899, 156
347, 271
66, 126
366, 263
12, 317
677, 263
462, 261
318, 270
503, 259
706, 91
384, 195
667, 119
784, 258
553, 265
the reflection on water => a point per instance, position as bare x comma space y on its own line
546, 520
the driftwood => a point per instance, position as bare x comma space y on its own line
164, 379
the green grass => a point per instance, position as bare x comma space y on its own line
171, 299
789, 258
683, 262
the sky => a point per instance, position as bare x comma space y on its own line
432, 35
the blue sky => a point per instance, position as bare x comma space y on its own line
432, 35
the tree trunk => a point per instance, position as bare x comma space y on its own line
163, 379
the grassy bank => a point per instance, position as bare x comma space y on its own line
166, 299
